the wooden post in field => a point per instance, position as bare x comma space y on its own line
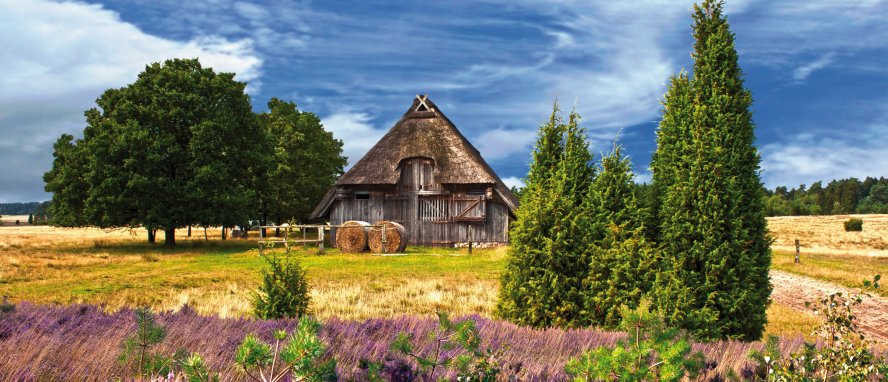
320, 240
383, 238
797, 260
471, 236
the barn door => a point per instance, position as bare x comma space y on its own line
470, 209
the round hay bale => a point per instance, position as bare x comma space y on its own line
352, 236
395, 237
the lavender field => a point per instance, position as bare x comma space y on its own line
81, 342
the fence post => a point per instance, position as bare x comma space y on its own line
471, 236
320, 239
383, 239
797, 260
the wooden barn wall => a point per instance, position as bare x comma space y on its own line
447, 209
404, 208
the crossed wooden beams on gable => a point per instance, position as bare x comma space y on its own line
422, 106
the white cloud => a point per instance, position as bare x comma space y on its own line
58, 57
513, 181
801, 73
356, 132
502, 143
823, 154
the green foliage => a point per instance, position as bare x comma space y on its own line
177, 147
842, 196
195, 369
299, 355
854, 224
623, 264
6, 306
302, 162
542, 285
472, 364
711, 210
844, 353
138, 347
653, 352
284, 290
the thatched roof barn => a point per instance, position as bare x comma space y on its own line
425, 175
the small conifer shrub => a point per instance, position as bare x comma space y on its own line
854, 225
284, 290
299, 354
653, 352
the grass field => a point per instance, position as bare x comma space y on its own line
118, 269
847, 270
826, 235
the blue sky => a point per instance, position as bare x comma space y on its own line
817, 70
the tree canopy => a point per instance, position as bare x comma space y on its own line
304, 160
712, 226
175, 148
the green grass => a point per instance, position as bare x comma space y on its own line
220, 277
847, 270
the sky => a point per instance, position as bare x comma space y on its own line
816, 68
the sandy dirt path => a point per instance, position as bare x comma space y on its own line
793, 290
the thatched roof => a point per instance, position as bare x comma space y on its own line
424, 131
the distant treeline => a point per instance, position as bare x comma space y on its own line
844, 196
21, 208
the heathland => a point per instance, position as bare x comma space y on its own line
117, 269
48, 272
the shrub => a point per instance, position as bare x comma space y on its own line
854, 225
138, 348
845, 353
299, 354
6, 306
653, 353
471, 363
284, 290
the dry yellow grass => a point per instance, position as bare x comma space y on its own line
116, 268
826, 234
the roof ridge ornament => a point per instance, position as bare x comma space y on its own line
422, 106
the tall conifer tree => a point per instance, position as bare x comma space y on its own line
622, 264
542, 283
706, 168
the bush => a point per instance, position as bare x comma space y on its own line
299, 354
6, 306
284, 290
155, 366
854, 225
653, 353
471, 363
843, 355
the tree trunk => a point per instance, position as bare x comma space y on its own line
264, 222
206, 238
169, 237
151, 235
223, 233
189, 231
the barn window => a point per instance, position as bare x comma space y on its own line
434, 208
362, 195
476, 191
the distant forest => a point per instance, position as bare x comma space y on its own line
844, 196
21, 208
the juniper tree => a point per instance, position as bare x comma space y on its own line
712, 225
542, 284
621, 264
